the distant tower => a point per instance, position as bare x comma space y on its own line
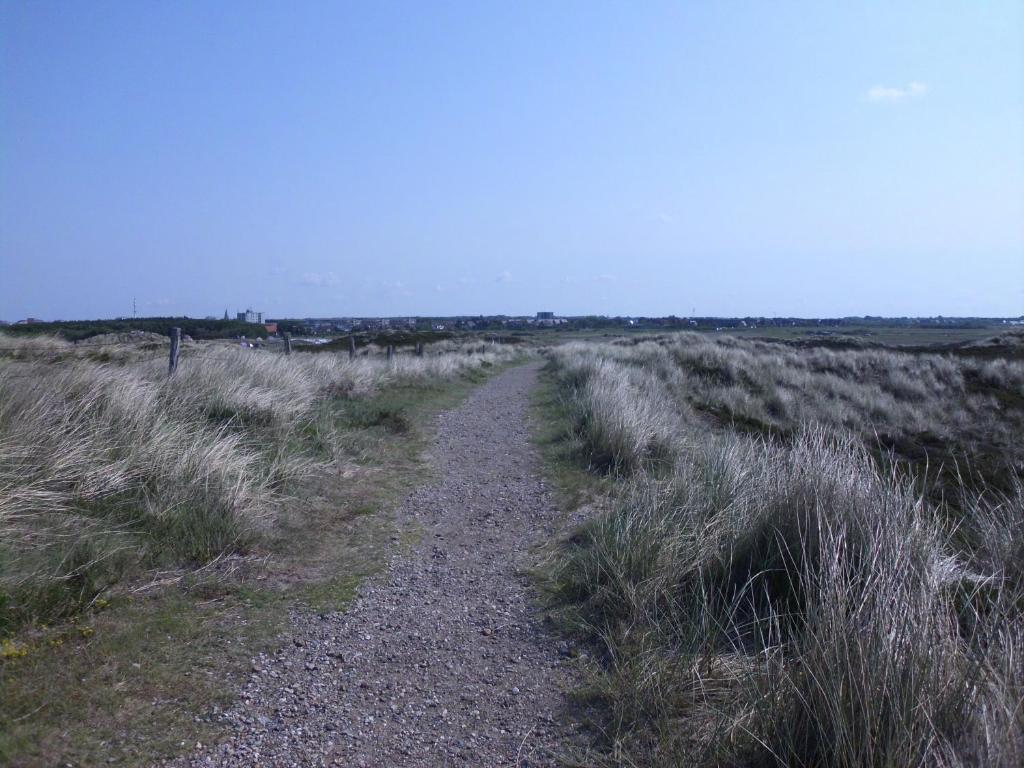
134, 309
225, 314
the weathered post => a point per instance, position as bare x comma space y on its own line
287, 342
391, 352
351, 346
419, 349
175, 343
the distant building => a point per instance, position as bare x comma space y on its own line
548, 319
30, 321
249, 316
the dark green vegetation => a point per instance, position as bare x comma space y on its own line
156, 533
77, 330
380, 339
769, 586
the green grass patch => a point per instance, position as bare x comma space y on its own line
334, 594
129, 684
564, 466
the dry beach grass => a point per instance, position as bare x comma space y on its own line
810, 556
160, 533
768, 587
109, 467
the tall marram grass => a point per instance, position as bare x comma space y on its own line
785, 602
107, 468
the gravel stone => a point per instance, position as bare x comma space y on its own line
443, 659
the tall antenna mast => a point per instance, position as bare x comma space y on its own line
134, 309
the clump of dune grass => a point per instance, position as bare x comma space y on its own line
618, 416
108, 469
795, 602
876, 393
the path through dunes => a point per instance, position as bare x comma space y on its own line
443, 659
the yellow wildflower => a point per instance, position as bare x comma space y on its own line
12, 649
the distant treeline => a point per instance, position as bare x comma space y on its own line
672, 321
502, 323
381, 339
76, 330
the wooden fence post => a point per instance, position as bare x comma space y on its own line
287, 343
351, 346
175, 343
391, 351
419, 349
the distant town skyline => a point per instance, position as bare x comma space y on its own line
318, 160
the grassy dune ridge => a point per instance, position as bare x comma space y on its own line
764, 588
108, 469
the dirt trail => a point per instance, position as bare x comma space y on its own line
443, 659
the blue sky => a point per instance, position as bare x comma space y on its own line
445, 158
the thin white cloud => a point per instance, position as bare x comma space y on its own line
660, 217
466, 281
894, 94
602, 278
318, 279
503, 277
397, 288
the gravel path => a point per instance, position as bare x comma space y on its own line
442, 660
